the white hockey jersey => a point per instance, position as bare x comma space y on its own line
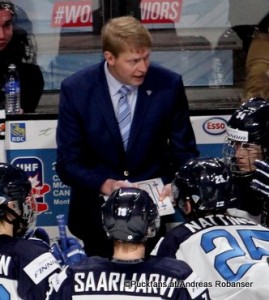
228, 253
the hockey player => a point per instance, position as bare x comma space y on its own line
247, 141
25, 265
130, 217
227, 252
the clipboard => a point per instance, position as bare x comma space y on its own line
154, 188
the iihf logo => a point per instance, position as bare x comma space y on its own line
33, 166
17, 132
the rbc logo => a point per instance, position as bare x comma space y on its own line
215, 126
17, 132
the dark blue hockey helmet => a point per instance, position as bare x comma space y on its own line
130, 215
205, 182
16, 198
247, 136
252, 118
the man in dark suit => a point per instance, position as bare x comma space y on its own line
91, 157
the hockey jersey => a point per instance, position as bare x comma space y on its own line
99, 278
25, 266
228, 253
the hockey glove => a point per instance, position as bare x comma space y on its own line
72, 254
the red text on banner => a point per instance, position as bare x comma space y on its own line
72, 14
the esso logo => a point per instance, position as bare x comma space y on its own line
215, 126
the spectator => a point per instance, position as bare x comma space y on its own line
16, 47
25, 264
130, 217
257, 62
91, 157
227, 252
247, 140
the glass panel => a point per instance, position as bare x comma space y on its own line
206, 41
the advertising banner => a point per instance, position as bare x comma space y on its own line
31, 146
49, 15
158, 12
72, 14
210, 133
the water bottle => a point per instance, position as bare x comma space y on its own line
12, 91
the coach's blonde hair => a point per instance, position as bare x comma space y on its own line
122, 32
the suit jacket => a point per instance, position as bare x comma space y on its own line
89, 145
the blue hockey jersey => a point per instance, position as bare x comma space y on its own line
25, 266
99, 278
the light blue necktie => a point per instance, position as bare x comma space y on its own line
124, 115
